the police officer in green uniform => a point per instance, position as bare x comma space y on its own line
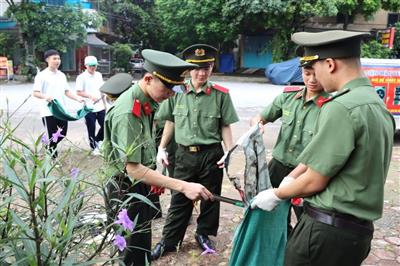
130, 151
347, 159
115, 86
298, 108
200, 119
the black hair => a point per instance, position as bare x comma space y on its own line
50, 53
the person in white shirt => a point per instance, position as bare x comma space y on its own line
52, 84
88, 85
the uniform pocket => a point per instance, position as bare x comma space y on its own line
180, 116
210, 120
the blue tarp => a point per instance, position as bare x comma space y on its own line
226, 63
284, 72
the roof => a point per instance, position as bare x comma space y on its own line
94, 41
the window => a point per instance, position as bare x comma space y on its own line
393, 18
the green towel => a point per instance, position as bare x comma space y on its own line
260, 239
59, 112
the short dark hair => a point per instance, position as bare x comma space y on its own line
50, 53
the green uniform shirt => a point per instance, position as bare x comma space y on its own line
353, 147
298, 118
128, 138
198, 117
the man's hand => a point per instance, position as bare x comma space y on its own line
286, 181
162, 156
266, 200
196, 191
221, 162
49, 98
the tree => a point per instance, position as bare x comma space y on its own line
187, 22
367, 8
43, 27
282, 18
133, 22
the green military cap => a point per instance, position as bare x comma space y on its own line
329, 44
117, 84
200, 54
167, 67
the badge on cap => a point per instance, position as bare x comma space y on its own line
199, 52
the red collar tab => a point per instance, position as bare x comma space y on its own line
298, 95
321, 100
292, 89
137, 106
220, 88
147, 108
207, 90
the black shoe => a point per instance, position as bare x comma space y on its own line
204, 242
160, 250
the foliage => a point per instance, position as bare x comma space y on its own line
121, 55
134, 22
374, 49
7, 44
278, 18
366, 8
51, 27
187, 22
49, 210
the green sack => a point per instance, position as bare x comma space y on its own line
260, 239
59, 112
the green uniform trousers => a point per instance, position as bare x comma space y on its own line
278, 171
313, 243
199, 167
138, 244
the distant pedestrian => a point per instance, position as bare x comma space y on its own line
52, 84
87, 86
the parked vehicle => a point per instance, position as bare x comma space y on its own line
136, 67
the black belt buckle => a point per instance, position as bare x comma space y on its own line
194, 148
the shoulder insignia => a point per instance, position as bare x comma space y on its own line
220, 88
292, 89
137, 107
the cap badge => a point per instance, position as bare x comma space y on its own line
199, 52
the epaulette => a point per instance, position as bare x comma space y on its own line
321, 100
220, 88
292, 89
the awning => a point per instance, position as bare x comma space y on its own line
92, 40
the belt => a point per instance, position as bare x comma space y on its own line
339, 220
198, 148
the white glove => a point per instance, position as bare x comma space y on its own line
162, 156
286, 181
266, 200
221, 162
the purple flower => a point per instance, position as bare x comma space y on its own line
120, 242
124, 220
57, 135
45, 140
74, 173
208, 250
